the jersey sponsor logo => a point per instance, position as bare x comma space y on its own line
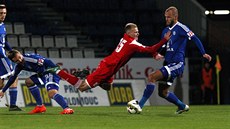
120, 94
190, 33
40, 62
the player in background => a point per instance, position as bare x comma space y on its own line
38, 64
174, 60
103, 75
5, 63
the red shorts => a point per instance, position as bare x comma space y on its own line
103, 74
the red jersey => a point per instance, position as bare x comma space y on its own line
124, 51
127, 47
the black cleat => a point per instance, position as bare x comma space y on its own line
105, 86
81, 73
14, 108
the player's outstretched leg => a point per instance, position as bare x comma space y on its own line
81, 73
147, 93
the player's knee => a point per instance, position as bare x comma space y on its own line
29, 82
84, 86
1, 84
162, 92
151, 78
52, 92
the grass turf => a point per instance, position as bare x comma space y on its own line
152, 117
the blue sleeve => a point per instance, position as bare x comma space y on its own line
198, 44
48, 63
12, 79
9, 83
7, 46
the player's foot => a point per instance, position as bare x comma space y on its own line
67, 111
179, 111
135, 104
14, 108
81, 73
38, 109
53, 70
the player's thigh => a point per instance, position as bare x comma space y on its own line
155, 76
15, 83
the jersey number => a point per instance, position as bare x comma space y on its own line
120, 45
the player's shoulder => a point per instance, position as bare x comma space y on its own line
183, 27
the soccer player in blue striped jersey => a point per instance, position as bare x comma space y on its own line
5, 63
38, 64
174, 60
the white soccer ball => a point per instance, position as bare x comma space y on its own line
131, 110
133, 107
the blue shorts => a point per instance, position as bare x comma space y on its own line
49, 80
171, 71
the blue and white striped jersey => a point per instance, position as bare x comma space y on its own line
33, 63
175, 47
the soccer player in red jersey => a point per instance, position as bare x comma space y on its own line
103, 75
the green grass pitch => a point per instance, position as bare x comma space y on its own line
152, 117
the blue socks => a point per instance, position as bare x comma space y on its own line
36, 94
13, 92
171, 97
60, 100
147, 93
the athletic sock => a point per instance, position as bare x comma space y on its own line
13, 92
60, 100
68, 77
147, 93
171, 97
36, 94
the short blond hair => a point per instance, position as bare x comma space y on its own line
129, 26
173, 9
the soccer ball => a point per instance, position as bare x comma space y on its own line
133, 107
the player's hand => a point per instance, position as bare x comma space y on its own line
1, 94
208, 57
167, 35
158, 57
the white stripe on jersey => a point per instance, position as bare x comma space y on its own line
186, 29
137, 43
32, 60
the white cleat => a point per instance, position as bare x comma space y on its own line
179, 111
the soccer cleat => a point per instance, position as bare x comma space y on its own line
105, 86
38, 109
67, 111
179, 111
135, 104
53, 69
81, 73
14, 108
